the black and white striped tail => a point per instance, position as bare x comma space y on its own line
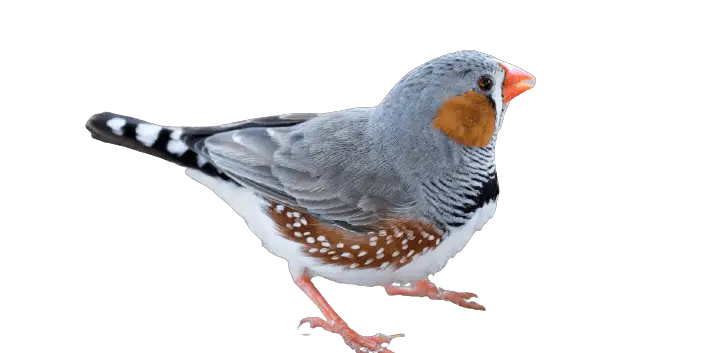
160, 141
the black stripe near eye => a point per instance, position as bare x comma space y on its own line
492, 102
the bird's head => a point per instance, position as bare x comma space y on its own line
463, 95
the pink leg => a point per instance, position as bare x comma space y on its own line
425, 288
335, 324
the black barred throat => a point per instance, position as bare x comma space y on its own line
455, 198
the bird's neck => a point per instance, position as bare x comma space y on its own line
413, 159
453, 198
478, 161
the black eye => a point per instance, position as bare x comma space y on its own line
484, 83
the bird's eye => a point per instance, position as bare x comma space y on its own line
484, 83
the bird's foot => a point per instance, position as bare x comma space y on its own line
370, 344
462, 299
430, 290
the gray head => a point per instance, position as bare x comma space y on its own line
450, 103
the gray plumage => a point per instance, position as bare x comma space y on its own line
357, 166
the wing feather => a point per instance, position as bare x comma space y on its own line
304, 166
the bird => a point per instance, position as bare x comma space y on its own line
370, 196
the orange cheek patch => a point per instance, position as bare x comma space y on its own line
467, 119
393, 244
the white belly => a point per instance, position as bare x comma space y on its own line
252, 208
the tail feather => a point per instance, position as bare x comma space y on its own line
164, 142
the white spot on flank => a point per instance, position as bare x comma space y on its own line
355, 247
369, 261
279, 208
116, 125
176, 147
437, 242
410, 253
403, 259
288, 225
405, 246
380, 256
321, 238
326, 244
382, 233
340, 245
362, 254
307, 233
380, 251
354, 265
405, 241
310, 240
289, 214
313, 250
303, 220
297, 224
396, 253
323, 250
373, 239
295, 214
346, 254
335, 257
147, 133
331, 253
298, 234
385, 264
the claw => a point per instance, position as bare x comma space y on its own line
462, 299
313, 322
385, 339
390, 338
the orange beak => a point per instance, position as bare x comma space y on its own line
517, 81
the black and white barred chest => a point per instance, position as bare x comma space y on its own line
453, 199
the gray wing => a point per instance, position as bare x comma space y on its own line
321, 166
